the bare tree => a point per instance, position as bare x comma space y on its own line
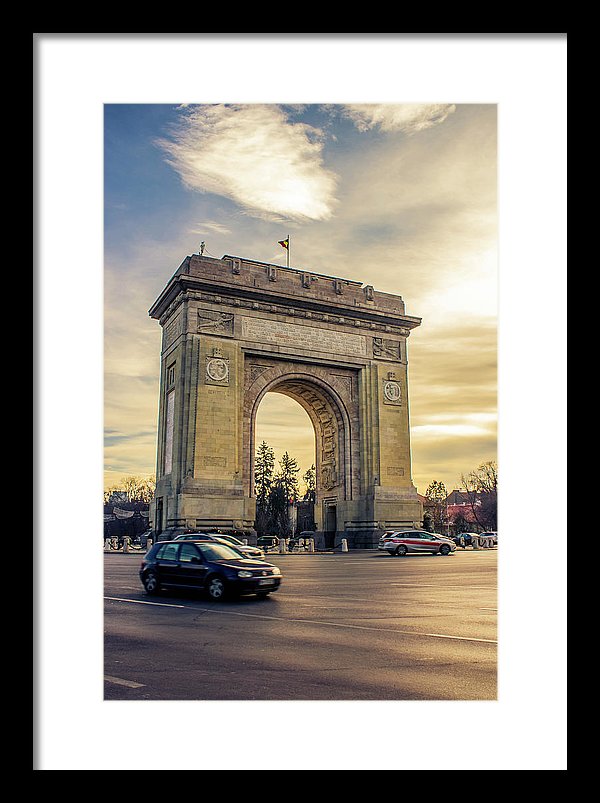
436, 495
481, 487
137, 489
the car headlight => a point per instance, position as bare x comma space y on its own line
276, 570
244, 573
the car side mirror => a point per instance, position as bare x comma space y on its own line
196, 560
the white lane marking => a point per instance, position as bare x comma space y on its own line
435, 585
121, 682
339, 598
143, 602
311, 621
462, 638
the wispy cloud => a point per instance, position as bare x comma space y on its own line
407, 118
210, 225
255, 156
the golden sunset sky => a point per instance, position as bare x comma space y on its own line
400, 196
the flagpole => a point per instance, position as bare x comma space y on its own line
288, 251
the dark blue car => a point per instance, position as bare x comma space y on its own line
218, 569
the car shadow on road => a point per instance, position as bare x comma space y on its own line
196, 595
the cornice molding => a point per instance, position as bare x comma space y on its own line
183, 287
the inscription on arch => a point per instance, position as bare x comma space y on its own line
305, 337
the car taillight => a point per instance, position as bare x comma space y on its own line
143, 564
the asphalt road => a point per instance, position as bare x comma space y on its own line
352, 626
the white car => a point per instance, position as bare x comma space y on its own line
490, 535
404, 542
231, 540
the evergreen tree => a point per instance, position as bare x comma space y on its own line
310, 479
279, 518
287, 476
264, 465
263, 472
274, 492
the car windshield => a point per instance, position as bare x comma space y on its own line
193, 537
231, 539
219, 552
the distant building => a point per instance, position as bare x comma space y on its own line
470, 509
460, 509
117, 496
305, 512
462, 498
123, 518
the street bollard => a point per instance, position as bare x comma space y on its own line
148, 544
311, 544
126, 541
282, 545
107, 543
344, 545
475, 542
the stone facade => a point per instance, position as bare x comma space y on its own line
235, 329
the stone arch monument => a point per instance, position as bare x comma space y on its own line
235, 329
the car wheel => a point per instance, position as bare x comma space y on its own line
263, 594
216, 587
444, 549
401, 551
151, 583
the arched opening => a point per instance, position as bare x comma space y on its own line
284, 429
286, 426
336, 470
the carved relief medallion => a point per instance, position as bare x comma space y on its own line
217, 370
391, 392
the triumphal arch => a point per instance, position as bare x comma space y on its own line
235, 329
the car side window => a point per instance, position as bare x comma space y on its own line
188, 552
167, 552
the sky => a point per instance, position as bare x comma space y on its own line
402, 197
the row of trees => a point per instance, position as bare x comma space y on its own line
479, 492
135, 489
126, 507
276, 489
